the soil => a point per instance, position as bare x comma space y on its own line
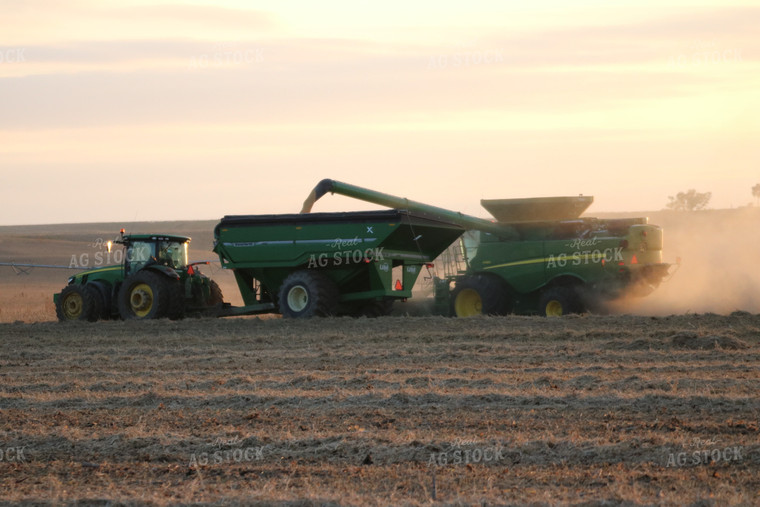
587, 410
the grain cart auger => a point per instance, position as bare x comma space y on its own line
155, 280
539, 256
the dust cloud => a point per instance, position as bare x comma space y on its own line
720, 264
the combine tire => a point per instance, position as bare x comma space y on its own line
307, 294
558, 301
479, 295
77, 302
147, 295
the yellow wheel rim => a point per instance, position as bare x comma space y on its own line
72, 306
554, 308
141, 299
468, 303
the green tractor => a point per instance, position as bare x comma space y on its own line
155, 281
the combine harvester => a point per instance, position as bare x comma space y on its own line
539, 256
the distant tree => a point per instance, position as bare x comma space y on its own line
756, 191
691, 200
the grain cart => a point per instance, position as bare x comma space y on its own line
539, 256
321, 264
155, 280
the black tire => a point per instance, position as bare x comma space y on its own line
305, 294
374, 309
77, 302
558, 301
215, 296
146, 295
102, 294
176, 305
479, 295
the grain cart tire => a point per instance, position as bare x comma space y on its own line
479, 295
305, 294
77, 302
145, 295
376, 309
558, 301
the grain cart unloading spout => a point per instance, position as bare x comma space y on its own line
363, 194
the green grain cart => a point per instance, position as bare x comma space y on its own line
538, 256
322, 264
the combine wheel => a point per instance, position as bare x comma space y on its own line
147, 295
308, 294
78, 302
558, 301
479, 295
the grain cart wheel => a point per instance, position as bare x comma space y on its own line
306, 294
77, 302
479, 295
558, 301
145, 295
376, 309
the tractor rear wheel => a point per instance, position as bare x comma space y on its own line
77, 302
146, 295
215, 296
559, 301
305, 294
479, 295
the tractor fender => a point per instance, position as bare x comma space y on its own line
164, 270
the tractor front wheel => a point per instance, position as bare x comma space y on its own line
305, 294
77, 302
479, 295
147, 295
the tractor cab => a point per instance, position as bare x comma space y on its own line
148, 249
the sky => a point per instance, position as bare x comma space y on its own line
138, 111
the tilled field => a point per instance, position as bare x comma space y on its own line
614, 410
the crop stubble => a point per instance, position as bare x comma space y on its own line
367, 411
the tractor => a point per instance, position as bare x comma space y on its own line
155, 280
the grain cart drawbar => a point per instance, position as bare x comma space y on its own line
539, 256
